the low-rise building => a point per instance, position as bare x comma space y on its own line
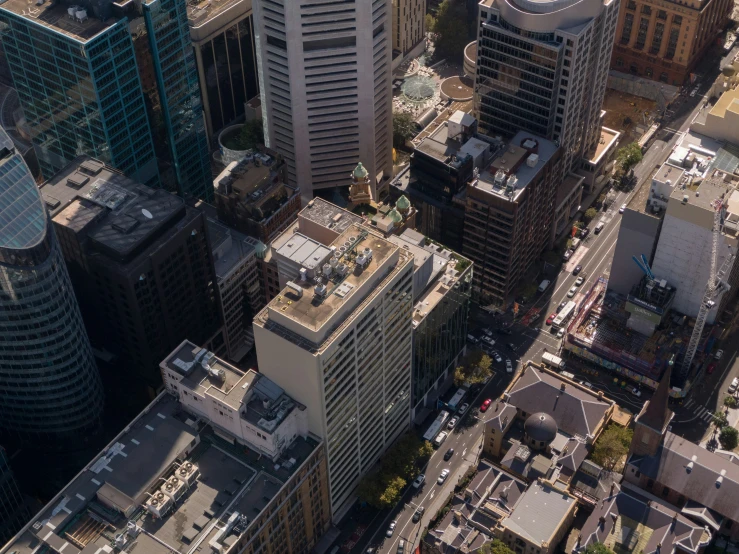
185, 474
593, 167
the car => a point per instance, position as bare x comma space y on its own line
561, 333
586, 384
572, 292
391, 529
443, 476
551, 318
599, 228
512, 346
495, 356
485, 405
418, 514
580, 280
693, 92
578, 269
448, 454
487, 340
508, 366
734, 385
487, 332
635, 391
568, 254
584, 232
561, 305
418, 481
452, 423
711, 367
401, 547
622, 209
463, 408
718, 354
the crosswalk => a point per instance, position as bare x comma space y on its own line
701, 412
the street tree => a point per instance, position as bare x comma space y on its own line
451, 29
719, 419
590, 215
404, 128
475, 369
730, 402
612, 446
729, 438
628, 156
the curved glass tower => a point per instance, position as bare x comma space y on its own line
50, 388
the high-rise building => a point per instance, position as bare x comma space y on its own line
222, 34
50, 389
13, 509
542, 67
409, 26
338, 339
325, 88
140, 261
80, 81
665, 41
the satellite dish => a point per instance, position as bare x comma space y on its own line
147, 213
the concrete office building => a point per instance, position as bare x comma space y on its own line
50, 389
542, 67
409, 28
509, 214
664, 40
108, 54
221, 460
13, 510
325, 89
338, 340
140, 261
222, 34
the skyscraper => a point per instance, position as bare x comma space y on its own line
542, 67
50, 389
325, 86
80, 71
13, 510
338, 339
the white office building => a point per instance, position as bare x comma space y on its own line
325, 72
338, 339
542, 66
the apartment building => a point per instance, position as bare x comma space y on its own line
338, 339
542, 67
664, 40
325, 89
50, 389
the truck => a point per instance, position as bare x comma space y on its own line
552, 361
575, 244
440, 438
544, 285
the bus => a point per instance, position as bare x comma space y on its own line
564, 315
436, 426
553, 361
456, 400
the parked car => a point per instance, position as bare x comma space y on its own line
567, 255
734, 385
551, 318
418, 481
486, 331
508, 366
578, 269
418, 514
718, 354
572, 292
452, 423
599, 228
496, 357
485, 405
622, 209
391, 529
463, 408
512, 346
561, 332
443, 476
711, 367
584, 232
401, 547
561, 305
586, 384
580, 280
635, 391
448, 454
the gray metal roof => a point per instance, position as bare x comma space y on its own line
539, 513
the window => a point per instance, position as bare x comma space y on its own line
646, 10
648, 72
663, 77
619, 62
662, 14
659, 29
650, 483
665, 491
631, 5
626, 31
641, 36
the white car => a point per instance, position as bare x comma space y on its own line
391, 529
580, 281
718, 354
561, 333
734, 385
635, 391
452, 423
463, 408
443, 476
418, 482
572, 292
508, 366
488, 341
487, 332
496, 357
622, 209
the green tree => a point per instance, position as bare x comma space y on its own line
497, 546
730, 402
612, 446
629, 155
729, 438
476, 369
451, 28
719, 419
404, 129
430, 23
252, 134
569, 243
380, 490
590, 215
597, 548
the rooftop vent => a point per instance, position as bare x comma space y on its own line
296, 289
320, 290
720, 479
532, 160
685, 198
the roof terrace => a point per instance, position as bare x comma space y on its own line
70, 20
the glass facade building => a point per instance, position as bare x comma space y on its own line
79, 87
50, 388
13, 511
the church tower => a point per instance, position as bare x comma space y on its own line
361, 188
655, 416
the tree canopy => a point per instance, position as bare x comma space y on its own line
612, 446
729, 438
252, 134
476, 368
629, 155
597, 548
496, 546
719, 419
404, 128
590, 215
451, 29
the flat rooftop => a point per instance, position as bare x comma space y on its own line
438, 145
199, 12
87, 514
539, 513
329, 215
607, 139
255, 180
81, 27
704, 194
515, 159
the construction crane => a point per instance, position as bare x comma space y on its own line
715, 287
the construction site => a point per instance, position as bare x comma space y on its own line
629, 114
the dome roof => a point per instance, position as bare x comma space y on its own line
261, 249
360, 172
403, 204
395, 216
541, 427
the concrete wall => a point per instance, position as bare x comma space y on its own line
637, 235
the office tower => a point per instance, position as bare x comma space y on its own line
665, 41
13, 510
325, 87
338, 339
222, 34
542, 67
140, 262
409, 26
221, 460
80, 71
50, 389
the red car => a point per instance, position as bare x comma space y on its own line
551, 318
711, 367
485, 405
